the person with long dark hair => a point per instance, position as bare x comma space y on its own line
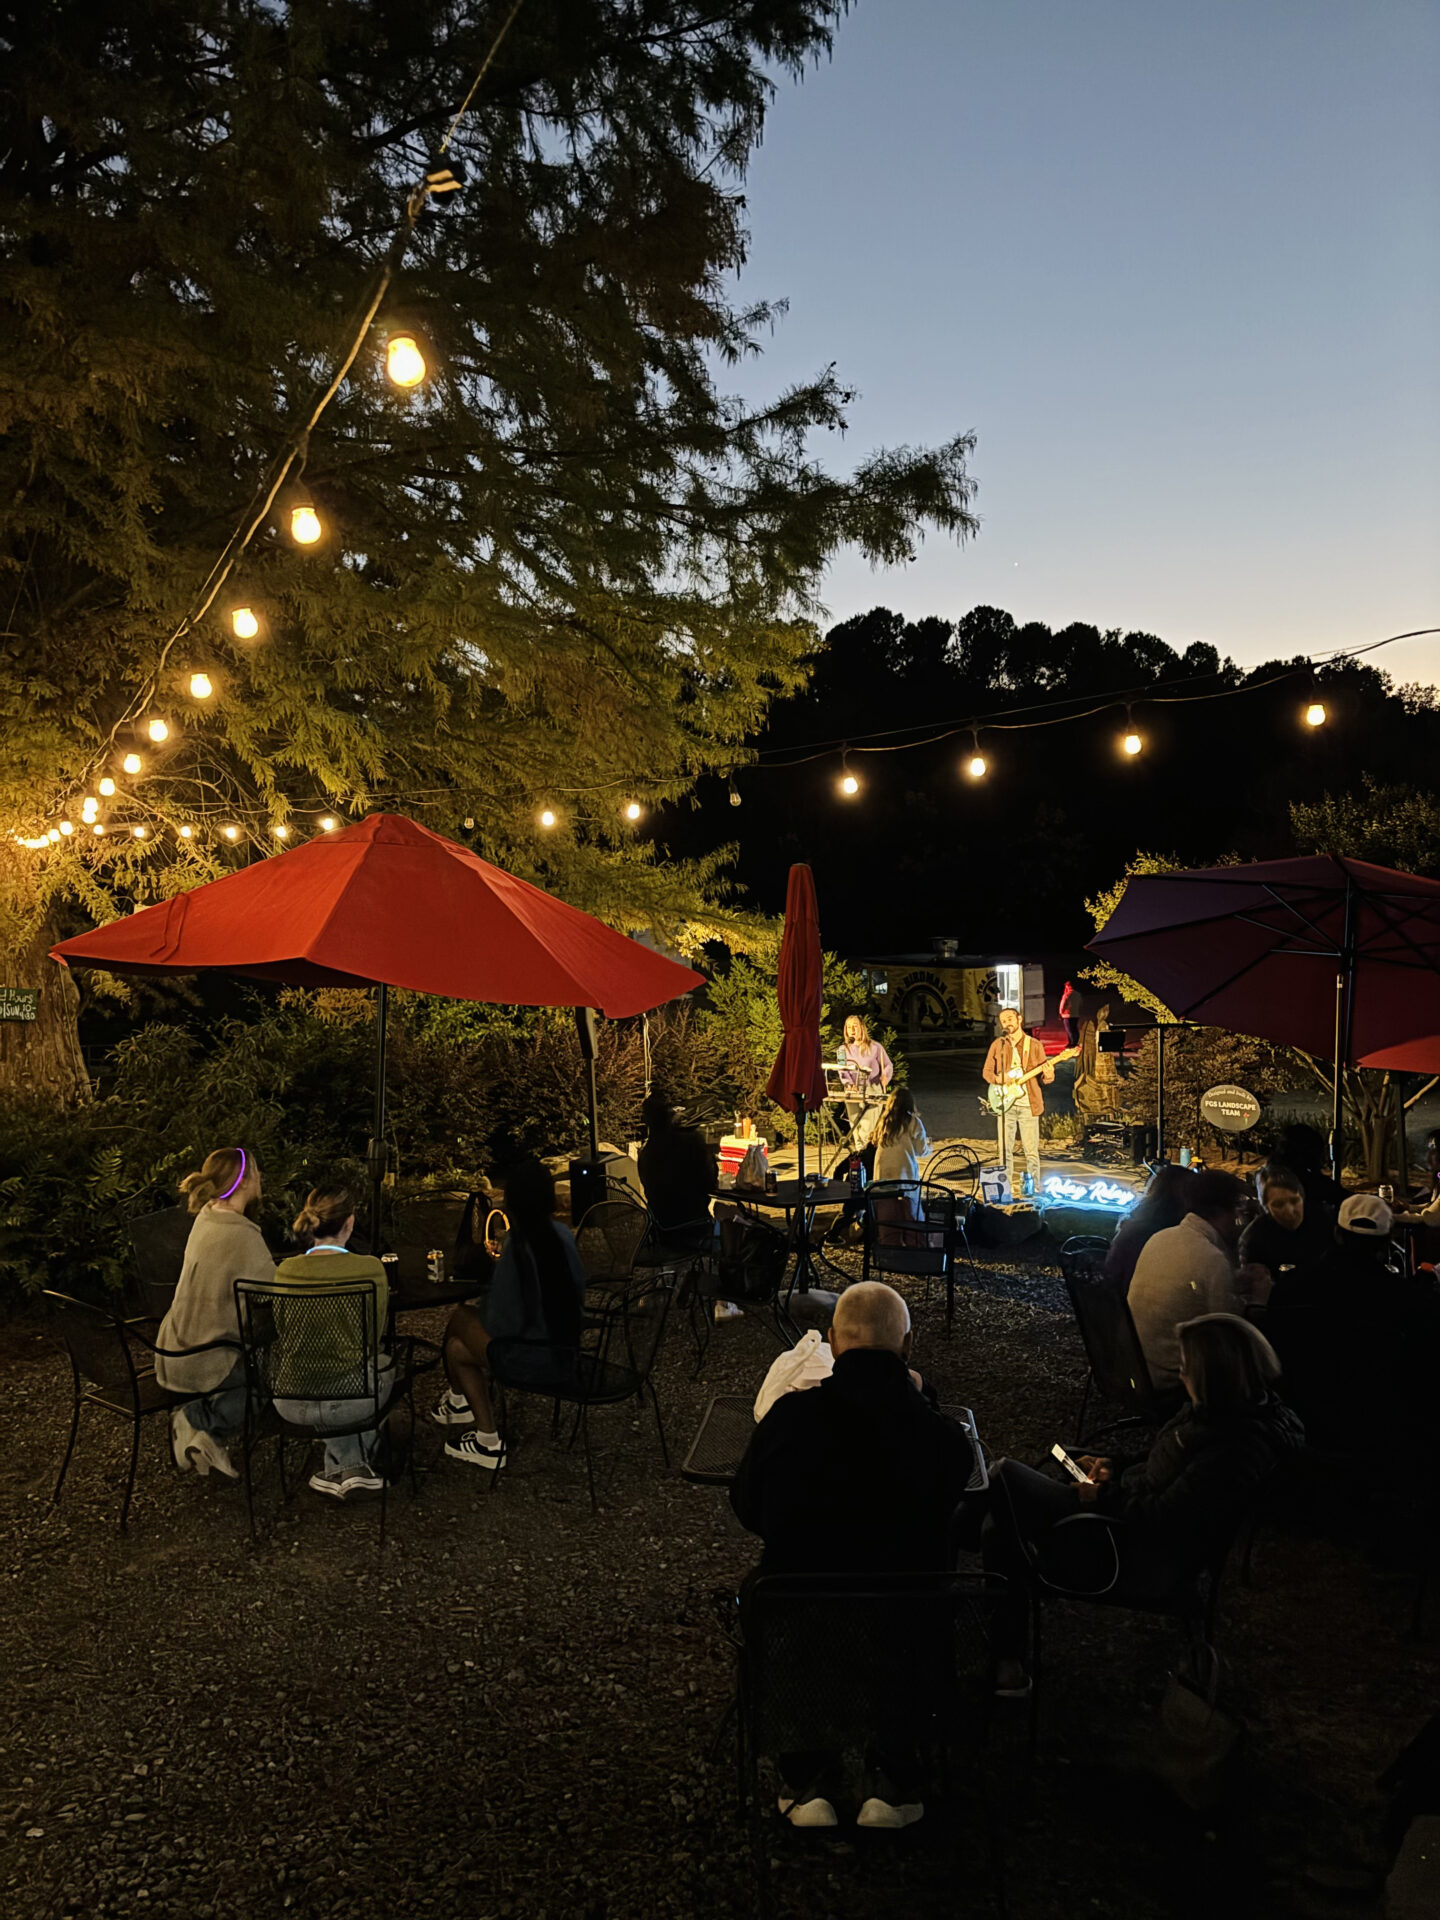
537, 1293
1161, 1205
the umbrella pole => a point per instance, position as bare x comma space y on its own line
1160, 1090
376, 1155
802, 1252
1344, 1023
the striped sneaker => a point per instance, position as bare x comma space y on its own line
469, 1449
453, 1410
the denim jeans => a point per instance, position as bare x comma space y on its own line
222, 1410
1029, 1125
342, 1450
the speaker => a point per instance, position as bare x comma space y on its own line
587, 1028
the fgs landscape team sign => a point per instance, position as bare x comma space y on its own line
19, 1003
1232, 1109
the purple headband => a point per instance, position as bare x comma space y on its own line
239, 1178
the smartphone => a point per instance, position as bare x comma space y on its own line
1075, 1472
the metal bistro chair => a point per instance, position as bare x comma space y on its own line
159, 1240
1118, 1371
835, 1662
617, 1368
914, 1228
610, 1237
319, 1344
106, 1372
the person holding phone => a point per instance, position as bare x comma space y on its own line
1149, 1525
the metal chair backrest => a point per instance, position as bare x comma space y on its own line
642, 1321
609, 1237
910, 1226
159, 1240
1082, 1258
1112, 1346
95, 1341
956, 1166
839, 1660
307, 1342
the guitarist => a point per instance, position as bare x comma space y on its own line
1010, 1066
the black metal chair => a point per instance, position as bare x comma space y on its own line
745, 1265
956, 1166
835, 1662
915, 1229
107, 1373
1118, 1371
617, 1368
316, 1344
610, 1237
159, 1240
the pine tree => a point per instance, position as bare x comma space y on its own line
566, 571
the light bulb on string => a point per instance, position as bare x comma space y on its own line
96, 827
1315, 715
244, 623
88, 809
187, 833
232, 833
547, 816
305, 526
158, 730
735, 800
200, 686
107, 786
67, 827
849, 785
404, 362
53, 834
329, 823
139, 832
975, 766
281, 831
132, 763
1130, 740
632, 811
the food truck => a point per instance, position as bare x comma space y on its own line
943, 997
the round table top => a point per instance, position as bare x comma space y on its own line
829, 1193
448, 1293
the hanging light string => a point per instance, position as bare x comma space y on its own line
1003, 719
263, 500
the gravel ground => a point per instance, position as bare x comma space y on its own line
509, 1710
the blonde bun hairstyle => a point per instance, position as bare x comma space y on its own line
326, 1210
219, 1177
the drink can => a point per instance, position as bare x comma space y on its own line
435, 1266
1387, 1194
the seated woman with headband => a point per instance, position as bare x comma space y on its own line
224, 1246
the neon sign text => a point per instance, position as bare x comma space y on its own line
1089, 1193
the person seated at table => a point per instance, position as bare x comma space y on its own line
1161, 1205
1359, 1340
1302, 1149
857, 1474
326, 1222
1284, 1236
224, 1246
537, 1293
1162, 1517
677, 1171
1191, 1269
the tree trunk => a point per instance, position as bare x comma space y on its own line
41, 1057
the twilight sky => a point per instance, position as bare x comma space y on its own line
1177, 266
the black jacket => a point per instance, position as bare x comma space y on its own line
1270, 1245
857, 1475
677, 1171
1186, 1496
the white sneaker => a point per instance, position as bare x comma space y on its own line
360, 1480
214, 1455
810, 1813
469, 1449
185, 1443
453, 1410
327, 1483
880, 1813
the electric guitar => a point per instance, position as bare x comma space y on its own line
1005, 1095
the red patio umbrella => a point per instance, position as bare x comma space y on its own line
388, 903
1336, 956
797, 1079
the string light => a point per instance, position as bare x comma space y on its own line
139, 832
1130, 742
404, 362
89, 807
281, 832
107, 785
329, 823
632, 811
849, 785
1315, 715
200, 686
232, 833
547, 816
976, 767
158, 730
734, 792
305, 527
67, 827
187, 833
97, 827
244, 623
53, 834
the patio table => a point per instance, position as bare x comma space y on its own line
799, 1205
729, 1420
448, 1293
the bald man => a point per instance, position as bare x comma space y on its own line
860, 1473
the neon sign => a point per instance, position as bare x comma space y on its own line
1089, 1193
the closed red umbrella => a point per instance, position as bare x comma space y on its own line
388, 903
1336, 956
797, 1079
